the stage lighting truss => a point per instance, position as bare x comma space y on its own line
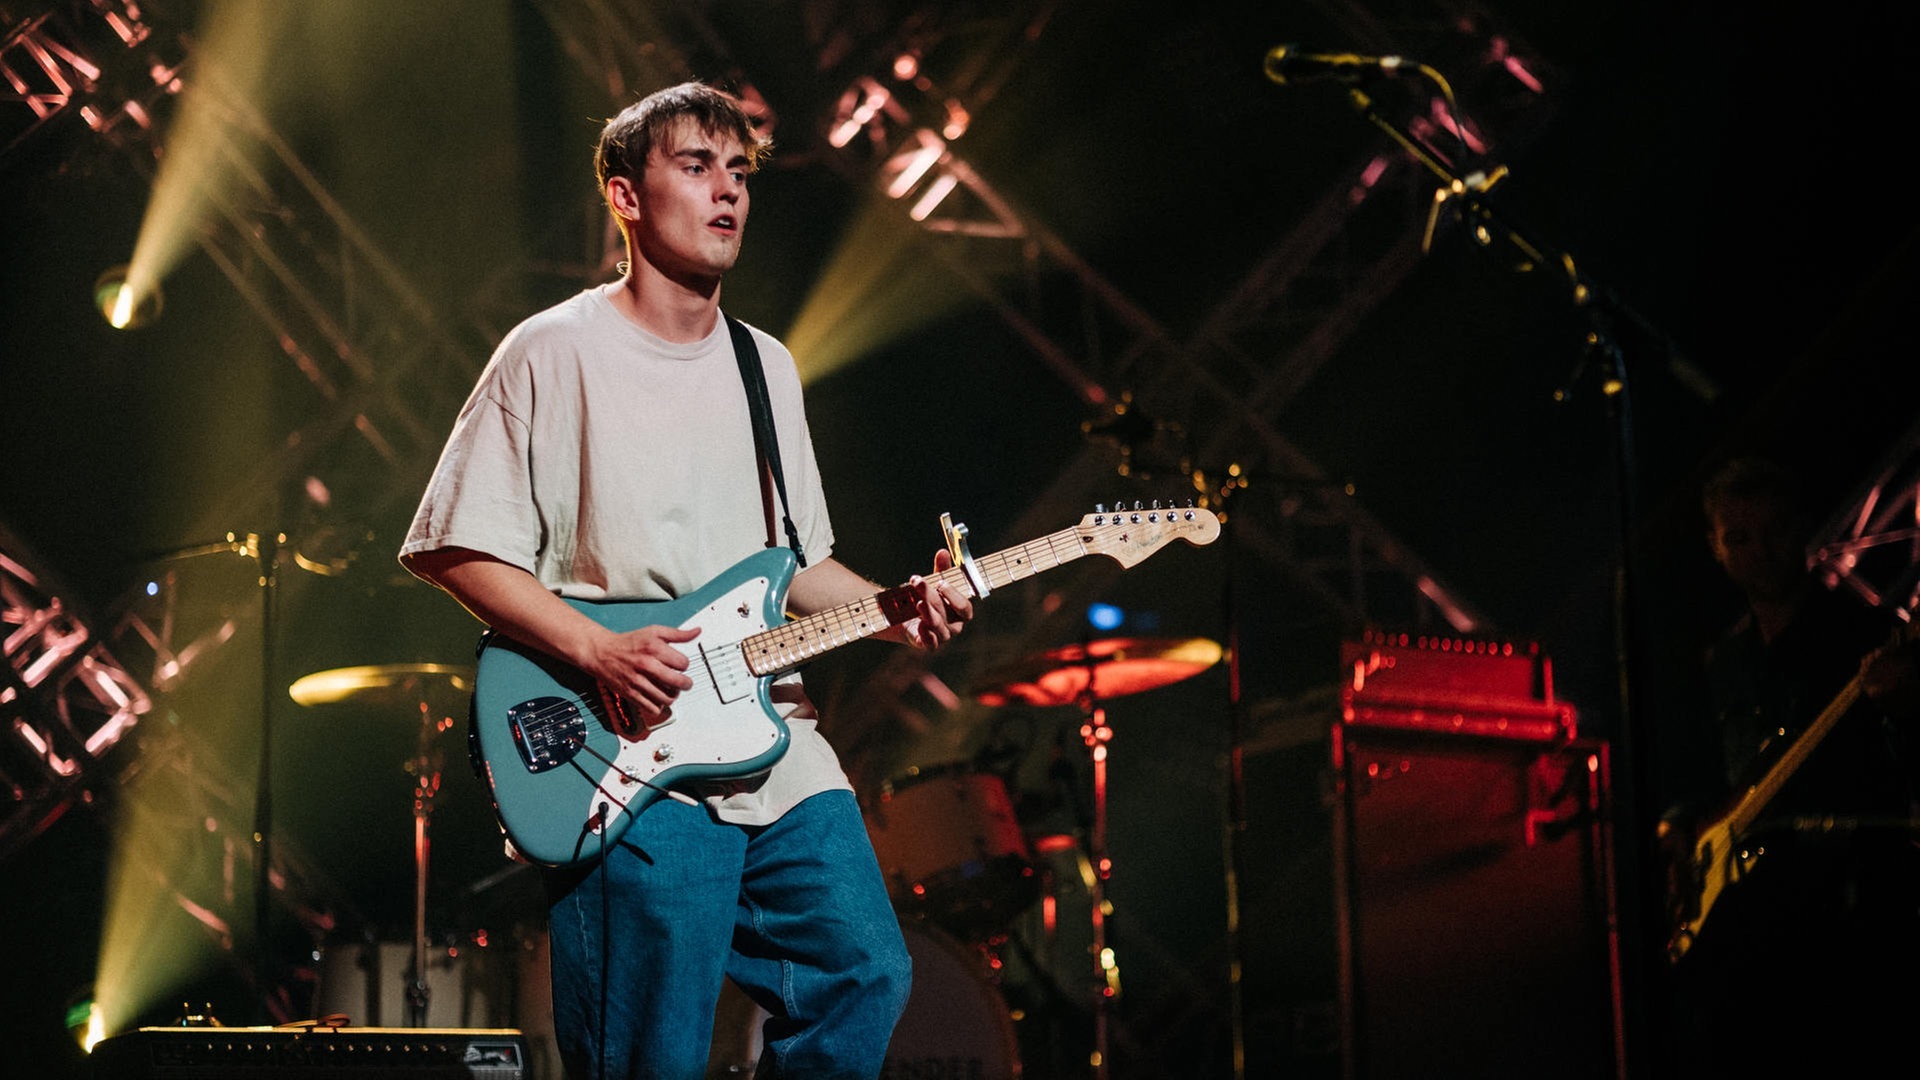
81, 56
1248, 358
378, 356
1871, 546
65, 702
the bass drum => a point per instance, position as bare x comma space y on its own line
956, 1023
468, 985
951, 849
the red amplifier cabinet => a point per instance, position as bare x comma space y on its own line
1451, 686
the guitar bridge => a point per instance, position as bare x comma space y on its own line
548, 732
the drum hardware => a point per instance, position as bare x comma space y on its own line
415, 686
1086, 676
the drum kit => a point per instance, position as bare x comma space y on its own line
960, 865
963, 866
432, 692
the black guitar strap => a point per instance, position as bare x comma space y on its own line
755, 379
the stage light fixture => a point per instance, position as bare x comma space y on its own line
123, 306
84, 1020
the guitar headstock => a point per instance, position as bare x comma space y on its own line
1130, 534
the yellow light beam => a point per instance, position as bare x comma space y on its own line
230, 61
876, 288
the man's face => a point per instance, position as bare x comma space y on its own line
692, 203
1759, 546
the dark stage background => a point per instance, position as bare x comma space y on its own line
1182, 228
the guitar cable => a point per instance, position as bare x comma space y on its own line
606, 950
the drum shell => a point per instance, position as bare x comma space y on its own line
951, 848
957, 1022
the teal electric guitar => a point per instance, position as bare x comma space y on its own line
565, 784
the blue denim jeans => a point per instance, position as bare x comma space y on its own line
795, 913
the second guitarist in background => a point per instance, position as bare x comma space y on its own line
1810, 957
608, 453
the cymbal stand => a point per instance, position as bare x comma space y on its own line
1095, 734
1235, 833
426, 770
265, 551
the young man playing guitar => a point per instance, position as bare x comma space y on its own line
608, 453
1802, 896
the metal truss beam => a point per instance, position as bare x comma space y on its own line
76, 57
1247, 360
1871, 545
385, 369
65, 701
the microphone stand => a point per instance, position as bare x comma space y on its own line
1603, 306
264, 551
1134, 431
1234, 834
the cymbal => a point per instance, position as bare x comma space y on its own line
380, 683
1108, 669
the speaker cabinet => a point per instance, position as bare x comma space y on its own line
1474, 898
258, 1053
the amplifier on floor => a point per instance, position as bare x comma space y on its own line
257, 1053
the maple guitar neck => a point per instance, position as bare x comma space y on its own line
1126, 536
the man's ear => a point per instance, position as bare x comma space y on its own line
622, 198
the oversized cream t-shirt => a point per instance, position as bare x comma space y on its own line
614, 465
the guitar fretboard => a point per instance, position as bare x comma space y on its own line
791, 644
1755, 799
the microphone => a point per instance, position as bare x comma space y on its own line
1285, 63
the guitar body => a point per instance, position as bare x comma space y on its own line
1711, 869
564, 783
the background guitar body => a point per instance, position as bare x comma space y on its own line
1721, 853
563, 782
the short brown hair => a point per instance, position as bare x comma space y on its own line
1755, 479
628, 138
